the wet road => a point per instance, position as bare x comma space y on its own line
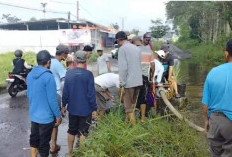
15, 124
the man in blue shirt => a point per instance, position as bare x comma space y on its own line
80, 97
58, 70
217, 101
43, 105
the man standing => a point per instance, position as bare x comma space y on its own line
79, 95
130, 73
102, 84
103, 62
147, 41
168, 64
58, 70
43, 105
217, 106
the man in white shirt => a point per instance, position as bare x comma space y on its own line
159, 69
103, 62
102, 84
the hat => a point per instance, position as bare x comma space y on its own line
80, 56
161, 53
136, 38
88, 48
147, 35
121, 35
165, 48
131, 36
62, 49
229, 46
99, 48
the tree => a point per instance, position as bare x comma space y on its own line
115, 25
159, 29
134, 31
10, 19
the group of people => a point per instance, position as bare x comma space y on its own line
54, 88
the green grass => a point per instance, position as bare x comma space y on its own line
157, 45
6, 64
157, 138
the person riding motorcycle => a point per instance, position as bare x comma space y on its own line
20, 65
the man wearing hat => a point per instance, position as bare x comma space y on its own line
168, 64
130, 73
103, 62
44, 108
80, 98
217, 106
58, 71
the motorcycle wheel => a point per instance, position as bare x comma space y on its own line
12, 91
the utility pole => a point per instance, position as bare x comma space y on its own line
78, 11
44, 5
122, 22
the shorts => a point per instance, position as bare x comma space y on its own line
102, 98
41, 136
79, 125
143, 92
130, 98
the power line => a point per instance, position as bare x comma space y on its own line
22, 7
63, 2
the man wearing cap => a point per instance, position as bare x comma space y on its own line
148, 68
168, 64
80, 98
58, 71
103, 62
130, 37
44, 109
88, 49
130, 73
217, 106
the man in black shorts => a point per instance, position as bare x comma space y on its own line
79, 95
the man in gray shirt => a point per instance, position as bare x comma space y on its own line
130, 74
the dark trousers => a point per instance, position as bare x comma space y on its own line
40, 137
220, 135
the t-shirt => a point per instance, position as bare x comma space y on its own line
102, 64
146, 58
159, 69
167, 62
107, 80
217, 93
58, 71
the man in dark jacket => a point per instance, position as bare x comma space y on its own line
80, 98
44, 107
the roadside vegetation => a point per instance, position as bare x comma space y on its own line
158, 137
6, 64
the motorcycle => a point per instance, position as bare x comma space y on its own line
17, 83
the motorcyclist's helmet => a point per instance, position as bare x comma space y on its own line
18, 53
161, 54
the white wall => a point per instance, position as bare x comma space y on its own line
40, 40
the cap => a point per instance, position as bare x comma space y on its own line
165, 48
161, 53
147, 35
121, 35
229, 46
136, 38
80, 56
131, 36
62, 49
88, 48
99, 48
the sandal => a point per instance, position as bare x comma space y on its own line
57, 150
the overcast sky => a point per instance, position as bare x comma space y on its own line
136, 13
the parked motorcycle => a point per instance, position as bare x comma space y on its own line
17, 83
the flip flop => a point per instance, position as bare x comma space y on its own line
57, 150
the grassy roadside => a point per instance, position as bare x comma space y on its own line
159, 137
6, 64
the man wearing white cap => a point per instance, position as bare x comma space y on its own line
103, 62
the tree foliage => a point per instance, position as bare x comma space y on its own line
10, 19
158, 28
115, 25
201, 20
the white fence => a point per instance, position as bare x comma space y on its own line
40, 40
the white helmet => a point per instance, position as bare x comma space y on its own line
161, 53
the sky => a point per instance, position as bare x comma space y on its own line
137, 14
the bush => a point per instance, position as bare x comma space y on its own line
157, 137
